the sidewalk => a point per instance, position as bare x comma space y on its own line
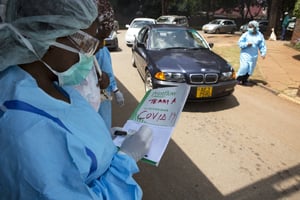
281, 70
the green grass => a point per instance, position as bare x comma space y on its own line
232, 55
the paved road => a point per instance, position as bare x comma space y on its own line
245, 147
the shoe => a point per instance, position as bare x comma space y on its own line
246, 83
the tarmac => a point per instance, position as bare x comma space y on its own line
281, 70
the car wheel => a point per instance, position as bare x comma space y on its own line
217, 31
232, 31
148, 81
117, 45
133, 61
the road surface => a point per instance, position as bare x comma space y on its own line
246, 147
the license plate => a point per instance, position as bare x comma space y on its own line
203, 92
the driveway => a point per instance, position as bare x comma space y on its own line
243, 147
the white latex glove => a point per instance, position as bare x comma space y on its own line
138, 144
119, 97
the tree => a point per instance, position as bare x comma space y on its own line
296, 11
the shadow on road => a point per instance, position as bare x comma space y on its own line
178, 178
212, 106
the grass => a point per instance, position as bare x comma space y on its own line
232, 55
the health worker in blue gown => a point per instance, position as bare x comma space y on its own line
53, 144
250, 43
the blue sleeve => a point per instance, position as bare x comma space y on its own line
243, 43
104, 60
35, 162
38, 164
120, 173
262, 46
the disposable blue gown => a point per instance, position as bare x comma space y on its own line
249, 55
64, 154
104, 60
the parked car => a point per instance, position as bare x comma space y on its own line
168, 55
262, 24
134, 27
112, 42
173, 19
220, 26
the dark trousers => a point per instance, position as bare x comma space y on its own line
243, 78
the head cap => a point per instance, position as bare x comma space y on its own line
40, 22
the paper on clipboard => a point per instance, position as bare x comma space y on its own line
160, 110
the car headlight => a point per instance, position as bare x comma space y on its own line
170, 76
226, 76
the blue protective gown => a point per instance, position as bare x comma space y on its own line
104, 60
43, 159
249, 55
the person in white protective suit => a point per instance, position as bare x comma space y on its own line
53, 144
250, 43
105, 110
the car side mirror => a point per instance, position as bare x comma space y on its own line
140, 44
211, 45
127, 25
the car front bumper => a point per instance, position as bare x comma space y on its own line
203, 92
111, 44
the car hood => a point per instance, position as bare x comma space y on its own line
133, 31
190, 61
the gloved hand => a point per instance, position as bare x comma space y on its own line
119, 97
138, 144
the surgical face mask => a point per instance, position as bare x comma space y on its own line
77, 72
250, 30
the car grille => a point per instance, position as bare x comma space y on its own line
208, 78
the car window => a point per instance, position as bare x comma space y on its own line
199, 41
140, 24
176, 38
164, 19
141, 34
215, 22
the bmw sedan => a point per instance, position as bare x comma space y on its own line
167, 55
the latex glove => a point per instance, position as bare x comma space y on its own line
138, 144
119, 97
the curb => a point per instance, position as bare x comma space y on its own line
279, 94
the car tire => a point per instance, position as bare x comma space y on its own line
148, 81
217, 31
133, 61
232, 31
117, 45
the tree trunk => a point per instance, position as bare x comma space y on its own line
274, 11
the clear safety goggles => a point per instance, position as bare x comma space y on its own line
86, 43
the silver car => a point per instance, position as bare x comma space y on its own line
220, 26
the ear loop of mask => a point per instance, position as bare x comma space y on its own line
30, 47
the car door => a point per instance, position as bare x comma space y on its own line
140, 51
227, 26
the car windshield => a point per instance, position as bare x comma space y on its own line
140, 24
215, 22
164, 19
176, 39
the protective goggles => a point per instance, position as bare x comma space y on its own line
86, 43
